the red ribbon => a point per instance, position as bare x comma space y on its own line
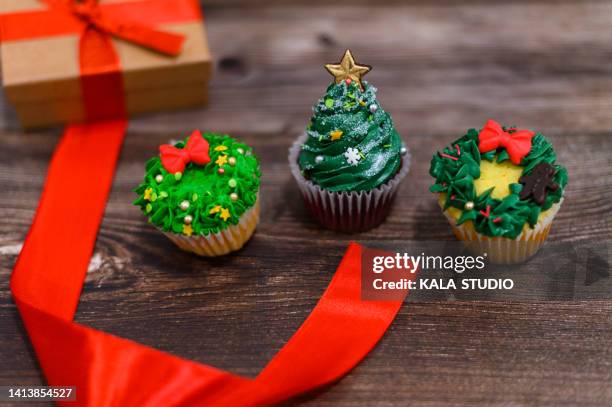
48, 276
132, 21
516, 142
92, 14
175, 159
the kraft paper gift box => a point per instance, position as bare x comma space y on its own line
41, 76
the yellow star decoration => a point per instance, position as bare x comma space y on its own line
214, 210
222, 159
336, 134
348, 69
225, 214
220, 148
187, 230
147, 194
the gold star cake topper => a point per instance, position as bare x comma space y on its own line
348, 70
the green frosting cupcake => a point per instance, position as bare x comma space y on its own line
199, 186
350, 161
352, 144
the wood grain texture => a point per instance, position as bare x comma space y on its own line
440, 69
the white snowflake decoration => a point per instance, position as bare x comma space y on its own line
352, 156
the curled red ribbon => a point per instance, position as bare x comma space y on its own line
516, 142
175, 159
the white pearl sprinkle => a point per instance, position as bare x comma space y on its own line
234, 196
240, 150
403, 150
188, 219
232, 161
319, 159
159, 178
469, 205
184, 205
373, 108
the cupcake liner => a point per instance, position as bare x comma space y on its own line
502, 250
347, 211
225, 241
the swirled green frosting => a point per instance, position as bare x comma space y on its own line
492, 217
206, 189
352, 144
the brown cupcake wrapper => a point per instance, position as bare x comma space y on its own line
225, 241
347, 211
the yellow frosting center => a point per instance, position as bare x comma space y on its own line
498, 176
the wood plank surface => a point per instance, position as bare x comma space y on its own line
440, 69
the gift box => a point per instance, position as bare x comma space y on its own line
41, 58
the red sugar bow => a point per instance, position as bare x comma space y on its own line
195, 151
517, 143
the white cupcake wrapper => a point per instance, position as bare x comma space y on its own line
502, 250
347, 211
225, 241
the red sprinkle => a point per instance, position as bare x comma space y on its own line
497, 220
348, 81
448, 156
220, 170
453, 196
458, 149
487, 213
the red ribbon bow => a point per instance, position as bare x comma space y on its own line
517, 143
89, 12
175, 159
133, 21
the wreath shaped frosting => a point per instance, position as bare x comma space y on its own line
199, 185
456, 167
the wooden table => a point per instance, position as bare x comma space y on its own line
440, 69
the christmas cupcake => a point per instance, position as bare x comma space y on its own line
500, 189
202, 193
350, 161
